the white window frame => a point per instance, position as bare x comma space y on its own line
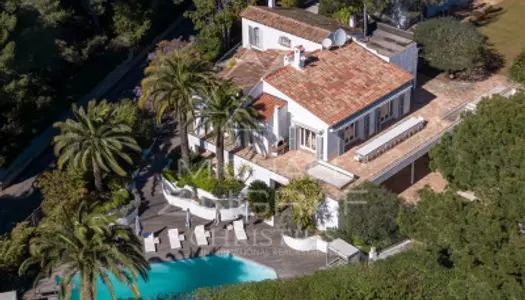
307, 139
285, 41
255, 37
346, 133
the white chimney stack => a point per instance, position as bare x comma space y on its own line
298, 57
271, 3
372, 255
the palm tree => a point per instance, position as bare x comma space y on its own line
224, 111
172, 83
93, 141
89, 247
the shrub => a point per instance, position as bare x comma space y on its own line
292, 3
303, 195
368, 217
450, 45
261, 198
115, 200
517, 70
229, 187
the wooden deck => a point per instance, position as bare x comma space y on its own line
264, 244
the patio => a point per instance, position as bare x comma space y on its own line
264, 244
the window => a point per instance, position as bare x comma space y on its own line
284, 41
349, 133
307, 139
385, 112
254, 34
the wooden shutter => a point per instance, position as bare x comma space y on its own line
366, 126
401, 105
250, 34
378, 120
319, 147
293, 138
341, 141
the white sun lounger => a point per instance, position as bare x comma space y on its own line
150, 243
238, 227
175, 238
201, 235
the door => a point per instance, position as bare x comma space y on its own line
366, 126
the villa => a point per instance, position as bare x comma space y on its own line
332, 104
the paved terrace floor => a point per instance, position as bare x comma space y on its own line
264, 244
438, 100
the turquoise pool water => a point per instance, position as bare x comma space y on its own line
187, 275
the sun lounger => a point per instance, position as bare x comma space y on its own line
175, 238
201, 235
238, 227
150, 243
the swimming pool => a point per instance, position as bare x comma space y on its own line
187, 275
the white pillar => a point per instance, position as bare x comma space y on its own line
412, 173
271, 3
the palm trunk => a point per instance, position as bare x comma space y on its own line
184, 144
220, 154
97, 176
86, 288
93, 15
365, 21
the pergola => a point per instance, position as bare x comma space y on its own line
340, 252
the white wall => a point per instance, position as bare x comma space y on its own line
296, 111
308, 244
270, 38
407, 60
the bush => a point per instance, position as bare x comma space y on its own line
62, 188
517, 70
368, 217
450, 45
229, 187
261, 198
116, 200
303, 195
292, 3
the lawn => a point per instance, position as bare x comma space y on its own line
505, 31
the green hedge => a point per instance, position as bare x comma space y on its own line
415, 274
517, 70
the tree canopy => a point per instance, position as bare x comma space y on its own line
368, 216
53, 52
486, 151
450, 45
517, 69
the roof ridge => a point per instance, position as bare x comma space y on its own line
266, 9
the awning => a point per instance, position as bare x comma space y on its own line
330, 174
342, 248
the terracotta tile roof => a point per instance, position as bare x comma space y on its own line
265, 106
252, 65
337, 83
298, 22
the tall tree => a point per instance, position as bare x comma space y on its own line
91, 246
225, 111
172, 84
464, 44
91, 141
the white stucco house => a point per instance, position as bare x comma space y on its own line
333, 112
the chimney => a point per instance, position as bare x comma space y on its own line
298, 57
271, 3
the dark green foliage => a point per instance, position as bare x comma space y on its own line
292, 3
228, 187
485, 151
450, 45
218, 24
261, 198
368, 216
53, 52
412, 275
14, 248
517, 70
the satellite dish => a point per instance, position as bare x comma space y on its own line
340, 37
327, 43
